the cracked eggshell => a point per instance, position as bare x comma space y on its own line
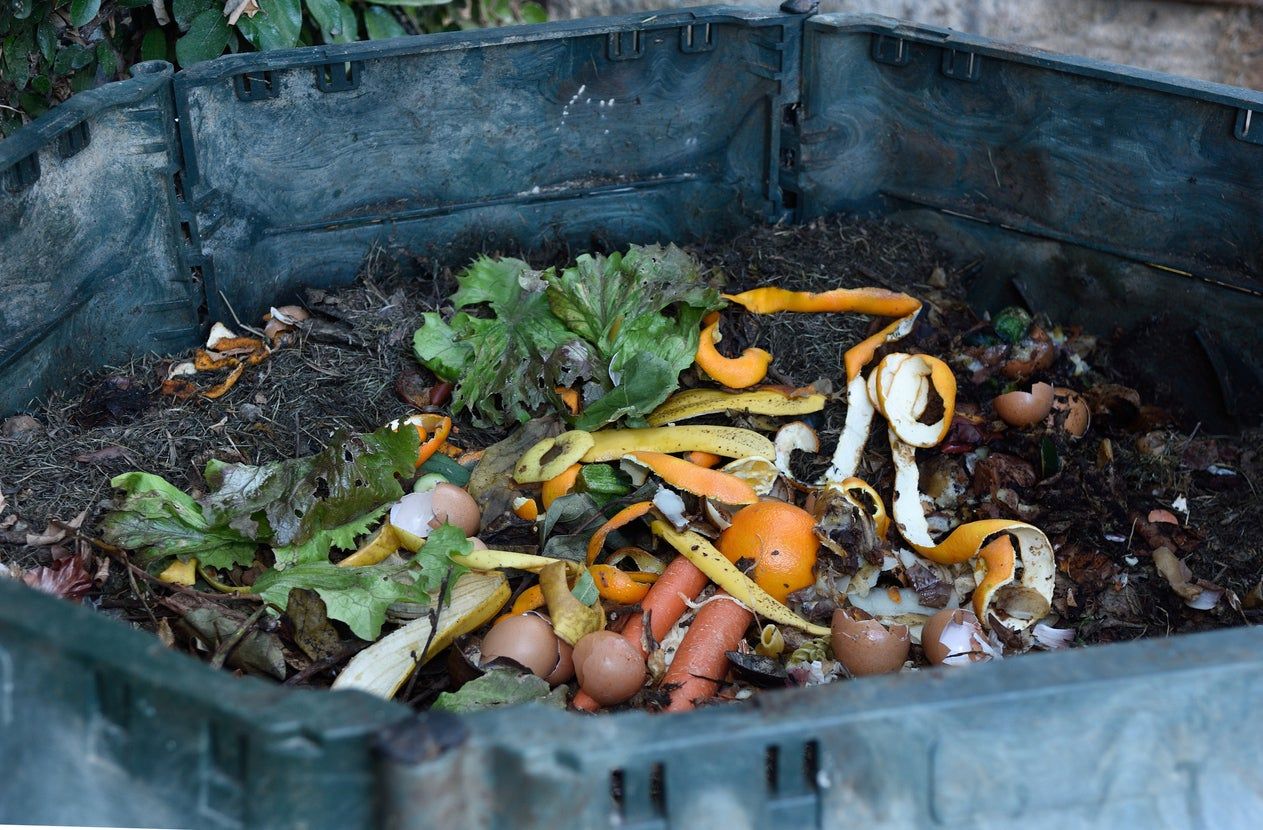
865, 646
528, 640
954, 637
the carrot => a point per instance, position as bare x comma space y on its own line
665, 604
702, 658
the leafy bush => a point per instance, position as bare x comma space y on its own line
50, 49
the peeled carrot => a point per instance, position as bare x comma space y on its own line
702, 658
679, 583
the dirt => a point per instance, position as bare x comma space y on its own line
1093, 496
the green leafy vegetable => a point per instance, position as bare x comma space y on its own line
322, 541
621, 327
501, 687
358, 597
158, 521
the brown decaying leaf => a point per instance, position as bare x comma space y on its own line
67, 579
313, 633
100, 456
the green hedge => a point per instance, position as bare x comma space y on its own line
50, 49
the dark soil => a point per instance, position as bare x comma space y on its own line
346, 371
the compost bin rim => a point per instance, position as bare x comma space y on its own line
87, 636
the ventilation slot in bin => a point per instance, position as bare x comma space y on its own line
338, 77
254, 86
792, 773
22, 174
73, 140
640, 796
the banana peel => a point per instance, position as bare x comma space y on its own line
729, 442
497, 560
384, 666
775, 401
698, 550
571, 619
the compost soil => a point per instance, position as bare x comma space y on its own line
1106, 501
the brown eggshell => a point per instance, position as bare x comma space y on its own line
1071, 412
1021, 409
609, 668
1036, 357
948, 638
526, 639
865, 646
454, 506
565, 664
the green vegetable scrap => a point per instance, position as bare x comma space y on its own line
501, 687
300, 507
619, 328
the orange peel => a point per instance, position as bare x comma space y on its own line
529, 600
569, 397
559, 485
733, 372
221, 388
700, 481
433, 430
862, 494
878, 302
855, 429
526, 509
622, 587
1016, 602
628, 514
902, 387
998, 559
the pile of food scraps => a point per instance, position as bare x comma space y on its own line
619, 486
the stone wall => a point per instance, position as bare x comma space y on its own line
1209, 39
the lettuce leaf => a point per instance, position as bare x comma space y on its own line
157, 521
620, 327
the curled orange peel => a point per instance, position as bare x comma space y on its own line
622, 587
733, 372
529, 600
433, 430
902, 384
628, 514
875, 301
700, 481
559, 485
861, 494
1017, 602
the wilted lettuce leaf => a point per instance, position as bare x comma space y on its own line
157, 521
500, 687
300, 507
621, 327
318, 546
287, 502
358, 597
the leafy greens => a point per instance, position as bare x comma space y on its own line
619, 328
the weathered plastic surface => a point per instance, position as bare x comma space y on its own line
1106, 195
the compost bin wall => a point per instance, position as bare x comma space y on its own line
1102, 194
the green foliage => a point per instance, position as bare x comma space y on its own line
50, 49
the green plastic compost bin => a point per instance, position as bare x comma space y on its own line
1104, 195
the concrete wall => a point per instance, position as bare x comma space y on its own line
1209, 39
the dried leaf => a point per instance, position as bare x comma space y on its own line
100, 456
66, 579
313, 633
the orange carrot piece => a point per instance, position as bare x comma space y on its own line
628, 514
665, 602
700, 481
703, 459
701, 661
